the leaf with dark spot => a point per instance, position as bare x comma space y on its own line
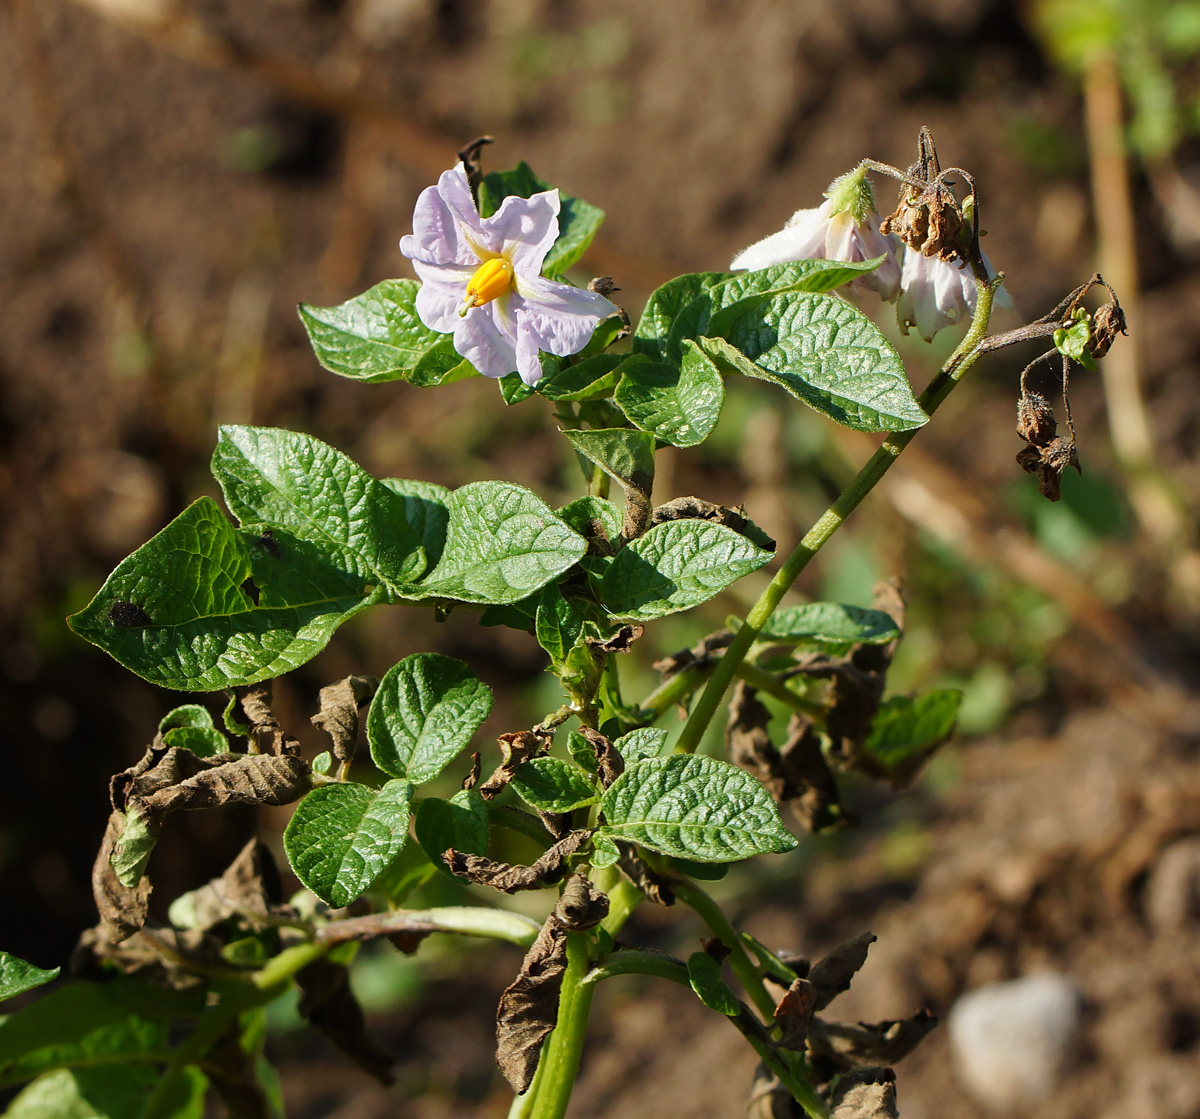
515, 749
251, 590
546, 871
528, 1008
868, 1093
327, 1001
620, 642
338, 716
128, 615
831, 974
696, 508
837, 1046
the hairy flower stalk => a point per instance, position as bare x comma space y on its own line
844, 227
481, 279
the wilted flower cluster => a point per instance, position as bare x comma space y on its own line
481, 279
932, 285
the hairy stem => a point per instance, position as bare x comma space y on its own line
560, 1058
831, 520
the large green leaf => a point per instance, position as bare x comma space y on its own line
503, 543
646, 742
78, 1024
204, 605
377, 336
693, 807
674, 566
578, 220
553, 785
558, 624
342, 836
426, 509
591, 379
17, 976
108, 1091
823, 351
621, 452
424, 712
663, 307
679, 405
275, 477
830, 625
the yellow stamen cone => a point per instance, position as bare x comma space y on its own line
492, 279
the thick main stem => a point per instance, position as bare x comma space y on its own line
560, 1058
814, 540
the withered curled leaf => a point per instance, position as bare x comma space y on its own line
327, 1001
835, 1047
122, 908
266, 735
656, 887
528, 1008
508, 877
868, 1093
249, 890
609, 763
697, 509
831, 974
794, 1012
338, 716
516, 748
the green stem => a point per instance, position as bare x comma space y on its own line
865, 481
802, 1093
623, 898
560, 1058
714, 917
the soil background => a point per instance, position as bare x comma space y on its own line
176, 177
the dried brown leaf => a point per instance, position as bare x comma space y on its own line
233, 1074
698, 655
837, 1046
655, 886
831, 974
166, 957
609, 763
794, 1012
510, 878
516, 748
327, 1001
809, 783
865, 1094
620, 642
1107, 323
697, 509
249, 889
528, 1008
338, 716
265, 732
235, 779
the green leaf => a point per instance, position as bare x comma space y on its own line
558, 624
693, 807
664, 306
681, 405
712, 310
608, 331
424, 712
377, 336
342, 835
831, 625
516, 615
553, 785
191, 728
133, 849
78, 1024
824, 352
604, 852
593, 516
1073, 341
674, 566
441, 364
502, 544
203, 605
704, 872
17, 976
284, 478
626, 455
646, 742
577, 220
582, 751
426, 509
460, 822
513, 390
907, 730
591, 379
108, 1092
704, 974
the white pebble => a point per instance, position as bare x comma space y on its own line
1012, 1040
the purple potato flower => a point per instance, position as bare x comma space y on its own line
844, 227
481, 280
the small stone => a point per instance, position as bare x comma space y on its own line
1173, 889
1012, 1041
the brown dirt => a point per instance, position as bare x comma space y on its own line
148, 286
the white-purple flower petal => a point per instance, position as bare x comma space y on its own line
500, 317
